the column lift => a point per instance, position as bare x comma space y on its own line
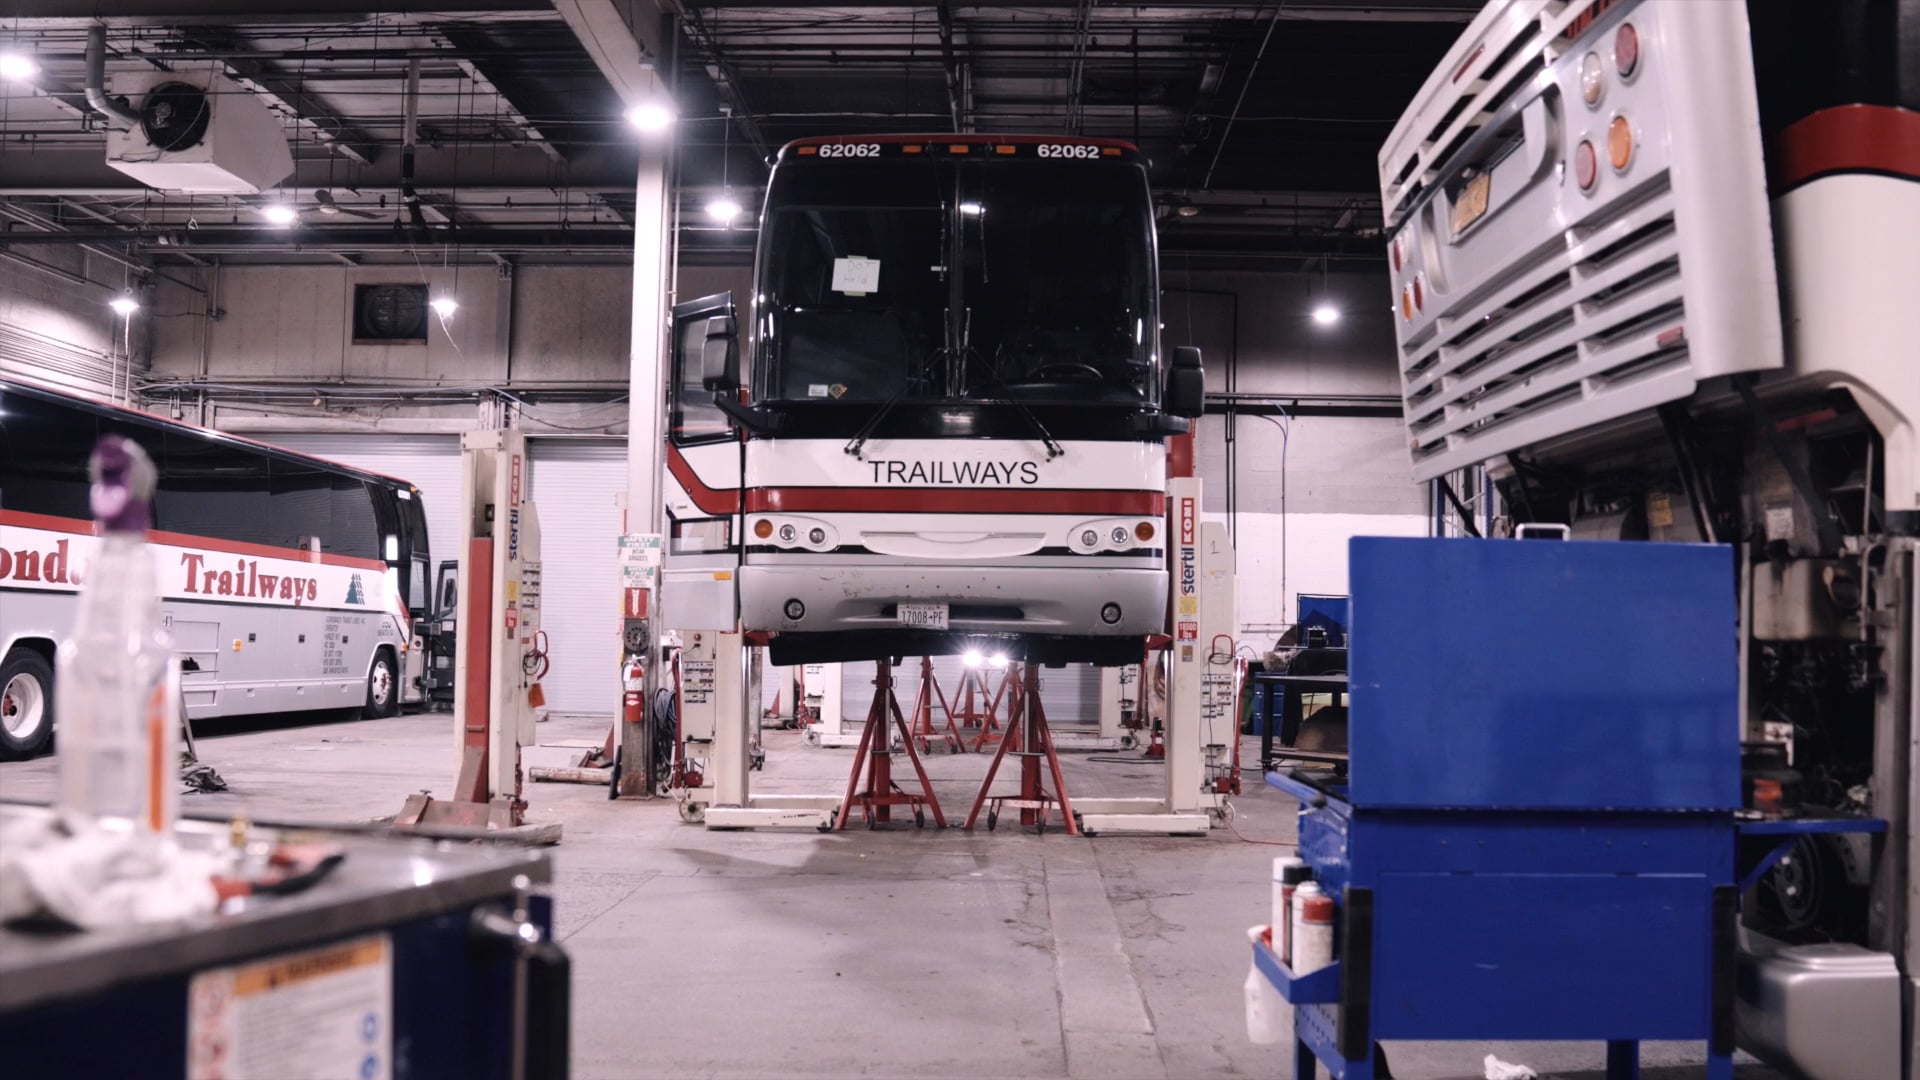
500, 658
717, 707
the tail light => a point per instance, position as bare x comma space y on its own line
1620, 143
1420, 293
1586, 165
1626, 50
1394, 248
1593, 79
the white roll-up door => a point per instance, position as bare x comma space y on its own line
428, 462
574, 483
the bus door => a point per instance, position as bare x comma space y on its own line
703, 469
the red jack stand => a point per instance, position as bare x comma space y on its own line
1029, 739
1157, 747
882, 794
923, 726
989, 721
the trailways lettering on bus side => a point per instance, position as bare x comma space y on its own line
246, 580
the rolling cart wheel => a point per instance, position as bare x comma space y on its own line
992, 820
919, 818
825, 826
873, 821
1040, 826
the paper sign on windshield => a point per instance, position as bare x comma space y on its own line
856, 275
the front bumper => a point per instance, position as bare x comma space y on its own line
986, 600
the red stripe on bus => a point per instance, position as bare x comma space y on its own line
709, 500
79, 527
956, 501
1846, 138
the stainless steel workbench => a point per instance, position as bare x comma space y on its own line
459, 996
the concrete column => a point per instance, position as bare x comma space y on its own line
646, 419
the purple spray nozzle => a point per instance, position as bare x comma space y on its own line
123, 480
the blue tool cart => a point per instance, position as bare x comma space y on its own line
1537, 836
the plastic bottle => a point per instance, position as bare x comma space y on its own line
118, 704
1266, 1009
1312, 935
1288, 873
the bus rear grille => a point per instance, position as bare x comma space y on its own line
1570, 335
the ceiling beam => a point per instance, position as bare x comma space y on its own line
956, 91
282, 91
184, 12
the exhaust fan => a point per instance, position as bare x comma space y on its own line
198, 132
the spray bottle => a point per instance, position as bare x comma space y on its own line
118, 708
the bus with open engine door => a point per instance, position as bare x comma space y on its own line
1652, 263
288, 583
942, 414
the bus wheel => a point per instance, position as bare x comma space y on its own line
383, 687
26, 703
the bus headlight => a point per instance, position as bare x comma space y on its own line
1120, 535
1090, 538
788, 534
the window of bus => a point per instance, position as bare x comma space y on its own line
44, 447
1059, 281
855, 291
214, 488
693, 417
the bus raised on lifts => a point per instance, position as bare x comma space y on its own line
287, 583
942, 415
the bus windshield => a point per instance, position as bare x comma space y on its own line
937, 281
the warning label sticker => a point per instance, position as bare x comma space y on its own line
322, 1012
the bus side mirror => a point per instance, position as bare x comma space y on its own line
1186, 384
717, 356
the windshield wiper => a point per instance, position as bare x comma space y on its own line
866, 430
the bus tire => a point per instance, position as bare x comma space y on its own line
383, 686
26, 703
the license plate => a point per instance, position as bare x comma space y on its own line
1471, 204
923, 616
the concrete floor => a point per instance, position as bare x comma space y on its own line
889, 953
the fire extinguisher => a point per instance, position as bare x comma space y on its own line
633, 682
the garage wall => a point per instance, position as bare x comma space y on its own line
534, 326
1304, 485
55, 326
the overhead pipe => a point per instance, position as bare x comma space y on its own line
97, 80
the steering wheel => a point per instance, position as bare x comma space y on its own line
1051, 372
